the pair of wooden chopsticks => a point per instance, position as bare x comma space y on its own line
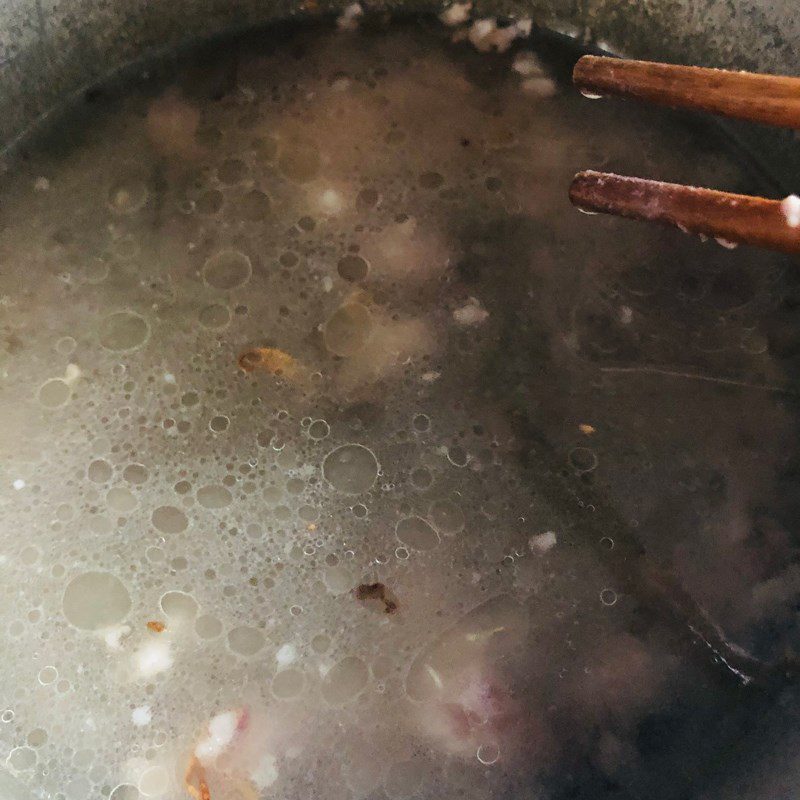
730, 218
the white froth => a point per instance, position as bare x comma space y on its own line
472, 313
152, 658
486, 35
287, 654
113, 636
266, 773
482, 32
456, 14
348, 19
72, 373
221, 730
542, 542
539, 87
526, 64
141, 716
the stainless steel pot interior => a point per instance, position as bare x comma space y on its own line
51, 49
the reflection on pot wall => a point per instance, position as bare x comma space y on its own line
52, 48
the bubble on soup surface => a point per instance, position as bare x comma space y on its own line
47, 675
178, 605
54, 393
352, 268
421, 478
214, 317
288, 683
415, 532
208, 627
123, 330
226, 270
351, 468
319, 429
348, 329
583, 459
95, 600
169, 519
99, 471
457, 456
421, 423
125, 791
219, 424
37, 737
66, 345
608, 597
121, 500
245, 641
214, 497
488, 753
338, 579
135, 473
345, 681
154, 781
22, 758
447, 516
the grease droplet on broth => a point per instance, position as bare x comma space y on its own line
95, 600
123, 330
227, 270
351, 468
169, 519
345, 681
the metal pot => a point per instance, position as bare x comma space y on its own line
49, 51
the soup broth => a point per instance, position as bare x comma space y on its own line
343, 458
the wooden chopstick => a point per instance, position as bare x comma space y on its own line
769, 99
731, 218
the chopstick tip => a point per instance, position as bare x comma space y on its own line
581, 183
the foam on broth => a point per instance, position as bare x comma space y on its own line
310, 378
